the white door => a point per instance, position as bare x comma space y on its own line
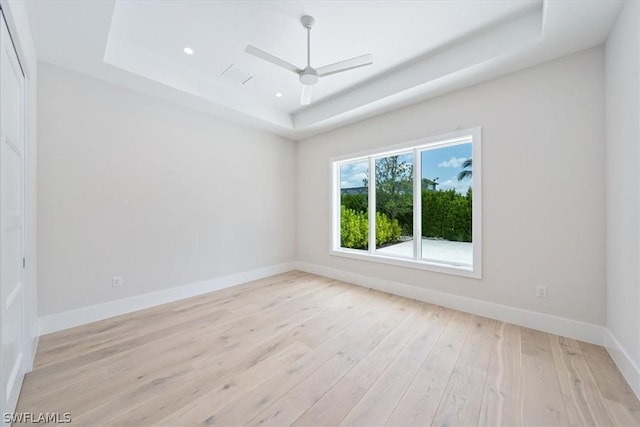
12, 319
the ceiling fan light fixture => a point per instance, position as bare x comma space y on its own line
187, 50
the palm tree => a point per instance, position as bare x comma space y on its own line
466, 170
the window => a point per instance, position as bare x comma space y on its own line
415, 205
354, 205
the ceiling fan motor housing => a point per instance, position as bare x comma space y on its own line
309, 76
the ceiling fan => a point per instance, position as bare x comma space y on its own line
309, 76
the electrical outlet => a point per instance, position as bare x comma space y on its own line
541, 291
116, 281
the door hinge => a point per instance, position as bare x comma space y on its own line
24, 263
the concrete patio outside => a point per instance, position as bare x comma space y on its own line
459, 253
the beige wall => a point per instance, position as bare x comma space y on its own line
161, 195
623, 182
543, 186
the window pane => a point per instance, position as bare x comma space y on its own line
447, 204
394, 205
354, 205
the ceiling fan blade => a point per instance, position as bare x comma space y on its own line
251, 50
349, 64
305, 98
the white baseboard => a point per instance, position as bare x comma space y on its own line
81, 316
544, 322
625, 363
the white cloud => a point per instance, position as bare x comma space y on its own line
460, 186
353, 181
355, 167
454, 162
352, 174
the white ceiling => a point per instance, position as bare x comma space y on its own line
420, 49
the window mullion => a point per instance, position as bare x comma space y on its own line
417, 205
338, 210
372, 205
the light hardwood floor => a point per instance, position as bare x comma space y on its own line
299, 349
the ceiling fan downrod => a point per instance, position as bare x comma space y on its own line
308, 76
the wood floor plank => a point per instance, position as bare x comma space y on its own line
622, 415
308, 350
294, 403
361, 335
502, 401
421, 399
332, 407
462, 399
50, 378
308, 391
609, 379
121, 324
621, 401
191, 396
153, 320
585, 404
168, 354
124, 328
342, 312
138, 414
543, 401
381, 399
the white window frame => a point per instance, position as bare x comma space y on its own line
473, 135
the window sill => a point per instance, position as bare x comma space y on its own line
409, 263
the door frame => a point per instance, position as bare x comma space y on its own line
10, 392
31, 332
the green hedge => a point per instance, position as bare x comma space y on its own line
356, 202
387, 230
354, 229
447, 215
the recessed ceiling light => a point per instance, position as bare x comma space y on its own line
278, 94
188, 50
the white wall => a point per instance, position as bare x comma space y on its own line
161, 195
622, 67
543, 187
18, 23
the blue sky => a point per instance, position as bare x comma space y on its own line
445, 163
442, 163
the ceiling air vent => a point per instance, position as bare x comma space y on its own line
236, 75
